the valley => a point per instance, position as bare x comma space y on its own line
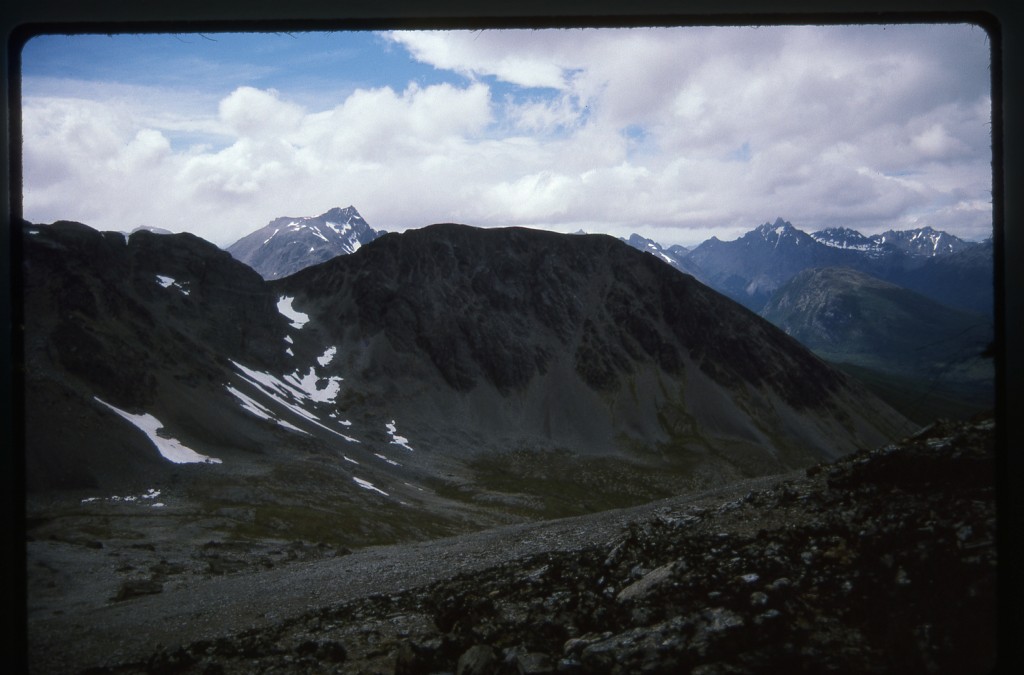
878, 561
442, 401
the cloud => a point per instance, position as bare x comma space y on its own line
674, 131
251, 113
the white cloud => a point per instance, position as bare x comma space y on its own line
251, 113
499, 54
646, 130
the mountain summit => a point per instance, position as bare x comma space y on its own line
286, 244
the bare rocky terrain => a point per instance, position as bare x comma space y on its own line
883, 561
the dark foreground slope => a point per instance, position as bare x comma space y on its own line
881, 562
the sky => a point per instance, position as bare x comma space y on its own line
678, 133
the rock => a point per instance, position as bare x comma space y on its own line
477, 660
136, 587
328, 651
646, 584
533, 663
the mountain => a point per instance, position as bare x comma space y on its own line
571, 341
286, 245
963, 279
848, 317
750, 268
150, 228
936, 264
434, 381
674, 255
843, 238
923, 242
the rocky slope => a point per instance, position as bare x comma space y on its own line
434, 382
571, 341
883, 561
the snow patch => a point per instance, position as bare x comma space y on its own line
258, 410
151, 493
167, 282
340, 229
277, 390
328, 356
308, 385
170, 448
389, 461
284, 306
400, 441
367, 485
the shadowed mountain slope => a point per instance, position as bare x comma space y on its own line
479, 376
570, 340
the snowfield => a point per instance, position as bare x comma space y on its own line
170, 448
284, 306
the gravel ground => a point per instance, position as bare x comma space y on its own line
92, 631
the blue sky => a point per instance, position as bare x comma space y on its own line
675, 133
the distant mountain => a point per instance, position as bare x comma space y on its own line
962, 279
674, 255
925, 357
844, 238
847, 316
150, 228
287, 245
750, 268
473, 375
936, 264
923, 242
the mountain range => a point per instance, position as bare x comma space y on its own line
948, 284
938, 265
433, 381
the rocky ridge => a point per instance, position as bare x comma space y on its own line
883, 561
